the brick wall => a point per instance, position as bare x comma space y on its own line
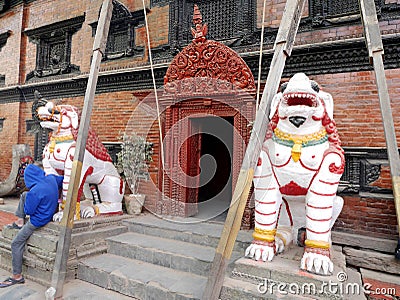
9, 54
368, 216
8, 136
356, 106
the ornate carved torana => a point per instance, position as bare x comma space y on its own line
213, 80
191, 70
53, 51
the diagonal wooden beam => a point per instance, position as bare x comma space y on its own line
67, 223
283, 47
375, 49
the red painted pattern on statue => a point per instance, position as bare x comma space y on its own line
293, 189
88, 172
94, 146
325, 252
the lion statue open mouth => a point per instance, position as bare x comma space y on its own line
98, 172
301, 162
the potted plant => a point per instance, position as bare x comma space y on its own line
133, 161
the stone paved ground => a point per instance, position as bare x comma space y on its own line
73, 290
7, 211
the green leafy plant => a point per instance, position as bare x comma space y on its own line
133, 159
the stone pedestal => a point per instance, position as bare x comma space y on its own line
282, 278
88, 239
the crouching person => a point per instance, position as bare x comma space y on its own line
39, 203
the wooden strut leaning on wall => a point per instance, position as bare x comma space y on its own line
283, 45
64, 241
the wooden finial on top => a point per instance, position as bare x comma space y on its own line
200, 31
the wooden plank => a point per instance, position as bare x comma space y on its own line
375, 49
371, 27
60, 265
283, 45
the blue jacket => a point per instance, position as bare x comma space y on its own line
42, 199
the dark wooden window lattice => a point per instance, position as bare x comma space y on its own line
53, 47
158, 2
3, 38
338, 12
2, 80
228, 20
362, 169
340, 7
1, 123
223, 17
121, 35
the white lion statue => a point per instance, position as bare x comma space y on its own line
300, 164
98, 171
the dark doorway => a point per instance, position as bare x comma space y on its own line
216, 159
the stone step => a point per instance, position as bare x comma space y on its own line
235, 289
188, 230
139, 279
173, 254
41, 249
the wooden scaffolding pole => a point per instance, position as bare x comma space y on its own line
64, 241
375, 50
283, 47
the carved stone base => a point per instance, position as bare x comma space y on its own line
282, 278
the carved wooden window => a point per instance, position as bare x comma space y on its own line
2, 80
3, 38
340, 7
1, 123
121, 35
158, 2
228, 20
3, 5
330, 12
53, 47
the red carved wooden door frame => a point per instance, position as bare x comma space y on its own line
207, 78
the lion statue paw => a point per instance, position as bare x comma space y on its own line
316, 263
265, 250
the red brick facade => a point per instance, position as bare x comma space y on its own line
356, 110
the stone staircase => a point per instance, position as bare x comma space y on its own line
161, 259
87, 239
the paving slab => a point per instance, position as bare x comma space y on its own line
73, 290
140, 279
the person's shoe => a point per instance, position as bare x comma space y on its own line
11, 281
14, 226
